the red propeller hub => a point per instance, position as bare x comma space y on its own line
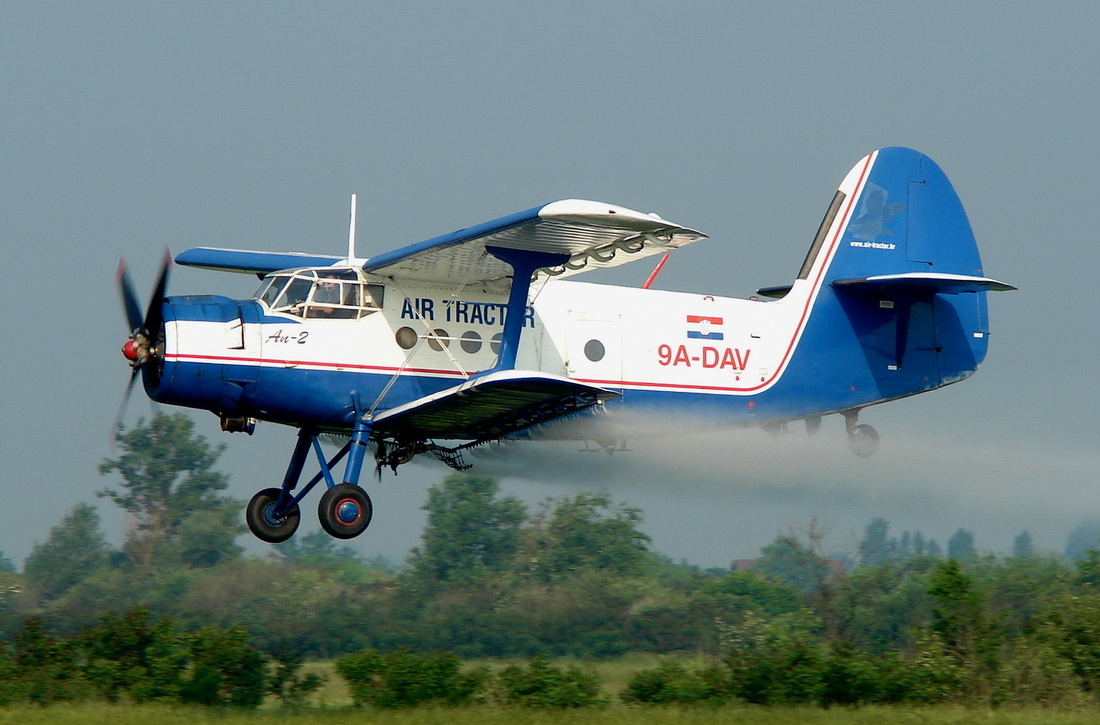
130, 350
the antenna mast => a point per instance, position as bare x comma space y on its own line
351, 231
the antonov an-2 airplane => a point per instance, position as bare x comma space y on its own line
477, 335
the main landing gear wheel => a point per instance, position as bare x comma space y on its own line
264, 523
862, 440
345, 511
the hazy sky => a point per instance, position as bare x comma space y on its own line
126, 128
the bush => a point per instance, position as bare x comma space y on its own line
11, 688
673, 683
128, 653
46, 668
852, 677
404, 679
225, 670
777, 662
542, 684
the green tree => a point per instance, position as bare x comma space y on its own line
957, 613
960, 546
75, 549
879, 608
6, 565
584, 533
876, 546
170, 489
790, 561
962, 628
470, 529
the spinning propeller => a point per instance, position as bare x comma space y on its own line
141, 348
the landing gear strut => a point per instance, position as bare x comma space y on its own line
862, 439
345, 509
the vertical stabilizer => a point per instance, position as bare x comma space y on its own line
893, 288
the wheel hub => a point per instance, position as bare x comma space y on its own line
348, 511
271, 517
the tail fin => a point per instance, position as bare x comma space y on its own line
896, 258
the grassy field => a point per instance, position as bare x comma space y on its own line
332, 705
612, 715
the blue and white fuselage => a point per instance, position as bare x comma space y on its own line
476, 335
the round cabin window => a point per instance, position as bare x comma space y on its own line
594, 350
470, 342
439, 340
406, 338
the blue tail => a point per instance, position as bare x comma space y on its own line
895, 285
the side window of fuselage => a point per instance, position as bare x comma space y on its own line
373, 295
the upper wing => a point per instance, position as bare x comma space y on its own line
593, 234
490, 406
252, 262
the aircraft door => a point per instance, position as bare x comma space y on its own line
595, 352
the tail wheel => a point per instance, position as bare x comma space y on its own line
345, 511
265, 523
863, 441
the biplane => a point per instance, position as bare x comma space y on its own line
483, 334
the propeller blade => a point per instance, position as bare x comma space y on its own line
130, 306
154, 316
122, 407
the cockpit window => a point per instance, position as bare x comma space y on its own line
321, 293
294, 294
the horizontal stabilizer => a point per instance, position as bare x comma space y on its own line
926, 281
490, 406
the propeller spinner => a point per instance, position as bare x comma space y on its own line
141, 347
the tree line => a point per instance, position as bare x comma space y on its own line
900, 622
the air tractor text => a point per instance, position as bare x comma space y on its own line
459, 312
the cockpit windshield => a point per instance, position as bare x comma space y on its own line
330, 293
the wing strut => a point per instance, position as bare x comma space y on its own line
524, 265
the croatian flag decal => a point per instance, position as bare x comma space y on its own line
703, 328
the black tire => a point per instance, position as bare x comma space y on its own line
264, 525
863, 441
345, 511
